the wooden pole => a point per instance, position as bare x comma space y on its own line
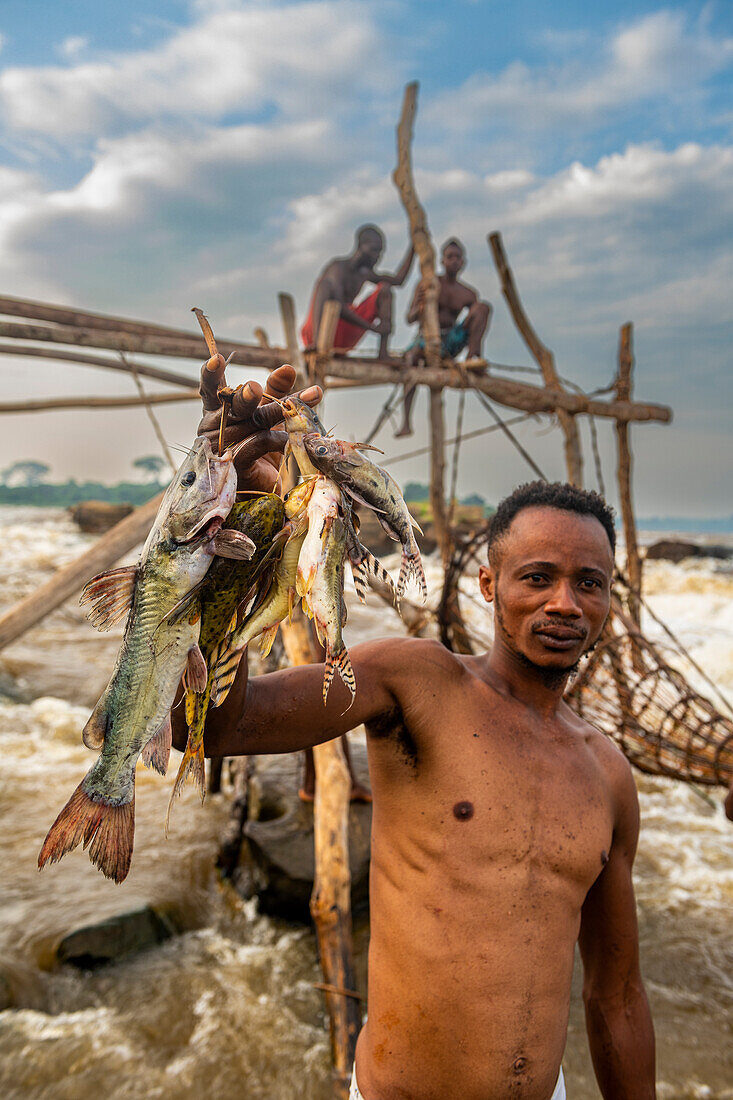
331, 899
123, 537
97, 402
85, 360
318, 362
178, 347
625, 466
505, 391
543, 356
429, 321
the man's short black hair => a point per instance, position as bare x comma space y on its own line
550, 494
453, 242
369, 230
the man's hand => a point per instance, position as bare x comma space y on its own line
249, 417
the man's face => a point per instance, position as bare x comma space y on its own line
371, 249
550, 586
453, 260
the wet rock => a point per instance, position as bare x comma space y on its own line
676, 550
100, 943
279, 839
94, 517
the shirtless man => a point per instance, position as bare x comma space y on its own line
504, 827
454, 297
342, 279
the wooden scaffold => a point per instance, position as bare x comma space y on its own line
627, 688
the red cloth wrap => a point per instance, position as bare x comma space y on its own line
347, 336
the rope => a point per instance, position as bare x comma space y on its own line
510, 435
456, 453
596, 455
149, 409
386, 412
468, 435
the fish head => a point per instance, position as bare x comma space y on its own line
298, 497
300, 417
200, 496
327, 454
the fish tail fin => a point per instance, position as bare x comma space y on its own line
412, 567
193, 763
338, 660
107, 831
267, 637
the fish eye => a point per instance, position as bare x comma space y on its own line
189, 478
321, 450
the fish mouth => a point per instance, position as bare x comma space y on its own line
205, 529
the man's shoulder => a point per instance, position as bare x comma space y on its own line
615, 767
413, 654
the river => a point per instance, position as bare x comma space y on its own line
228, 1007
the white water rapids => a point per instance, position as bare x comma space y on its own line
228, 1008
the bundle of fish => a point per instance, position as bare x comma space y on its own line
214, 575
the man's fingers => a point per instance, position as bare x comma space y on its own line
212, 376
312, 396
280, 381
245, 400
258, 445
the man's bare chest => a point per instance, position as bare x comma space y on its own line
487, 792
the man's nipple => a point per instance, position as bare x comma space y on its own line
463, 811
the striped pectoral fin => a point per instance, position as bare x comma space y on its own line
224, 664
412, 567
359, 573
110, 596
338, 659
107, 831
156, 753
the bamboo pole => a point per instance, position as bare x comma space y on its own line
543, 356
85, 360
429, 321
123, 537
318, 361
44, 405
625, 466
331, 899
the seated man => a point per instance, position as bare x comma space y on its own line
454, 297
342, 279
504, 826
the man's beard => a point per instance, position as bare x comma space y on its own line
551, 678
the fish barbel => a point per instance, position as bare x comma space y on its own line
133, 713
225, 588
320, 579
368, 484
278, 602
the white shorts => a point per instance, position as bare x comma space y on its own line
558, 1094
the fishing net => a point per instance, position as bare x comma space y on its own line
631, 688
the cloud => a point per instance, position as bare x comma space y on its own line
661, 54
293, 58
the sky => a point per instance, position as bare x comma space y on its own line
163, 155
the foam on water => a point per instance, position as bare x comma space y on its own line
228, 1008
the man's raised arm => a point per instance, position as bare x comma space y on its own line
284, 712
619, 1023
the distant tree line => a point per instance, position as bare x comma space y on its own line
23, 483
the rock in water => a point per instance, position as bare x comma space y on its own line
279, 835
677, 550
94, 517
96, 944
